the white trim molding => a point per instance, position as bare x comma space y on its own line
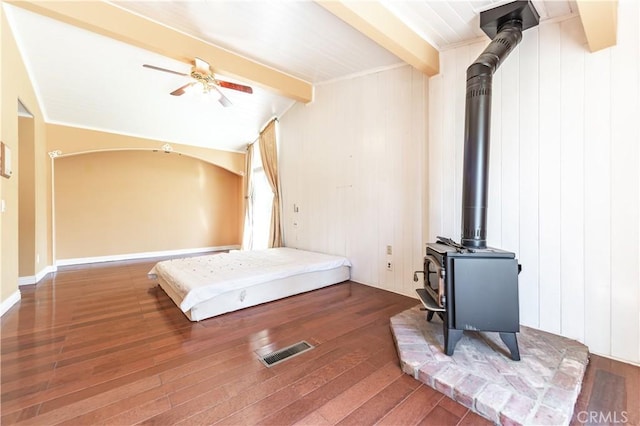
35, 279
9, 302
145, 255
28, 280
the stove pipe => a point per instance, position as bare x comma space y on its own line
504, 25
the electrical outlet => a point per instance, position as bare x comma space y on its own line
389, 265
389, 250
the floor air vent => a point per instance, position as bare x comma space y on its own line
285, 353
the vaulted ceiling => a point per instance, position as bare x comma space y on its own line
86, 59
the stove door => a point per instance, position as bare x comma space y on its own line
434, 279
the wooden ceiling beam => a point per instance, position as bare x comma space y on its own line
376, 22
111, 21
600, 22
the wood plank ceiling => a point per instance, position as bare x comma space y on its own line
86, 65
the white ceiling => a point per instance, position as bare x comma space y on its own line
87, 80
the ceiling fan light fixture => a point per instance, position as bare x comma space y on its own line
202, 73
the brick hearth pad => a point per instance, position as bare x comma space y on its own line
541, 388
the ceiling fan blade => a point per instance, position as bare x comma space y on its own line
180, 90
223, 99
153, 67
235, 86
202, 66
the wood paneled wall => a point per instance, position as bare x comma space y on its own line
564, 177
353, 164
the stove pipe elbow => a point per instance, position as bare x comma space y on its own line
477, 130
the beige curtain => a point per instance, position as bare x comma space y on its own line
269, 156
247, 233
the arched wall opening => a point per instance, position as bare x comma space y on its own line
114, 204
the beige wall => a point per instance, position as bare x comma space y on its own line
26, 199
125, 202
4, 294
16, 85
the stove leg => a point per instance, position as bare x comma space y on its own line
430, 315
451, 338
510, 340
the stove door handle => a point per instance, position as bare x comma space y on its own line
415, 275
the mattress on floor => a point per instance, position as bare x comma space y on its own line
206, 286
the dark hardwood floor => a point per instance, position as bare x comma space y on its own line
101, 344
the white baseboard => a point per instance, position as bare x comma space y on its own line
35, 279
9, 302
626, 361
132, 256
31, 279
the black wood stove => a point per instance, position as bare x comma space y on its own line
471, 289
469, 285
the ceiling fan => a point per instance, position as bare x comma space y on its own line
201, 74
